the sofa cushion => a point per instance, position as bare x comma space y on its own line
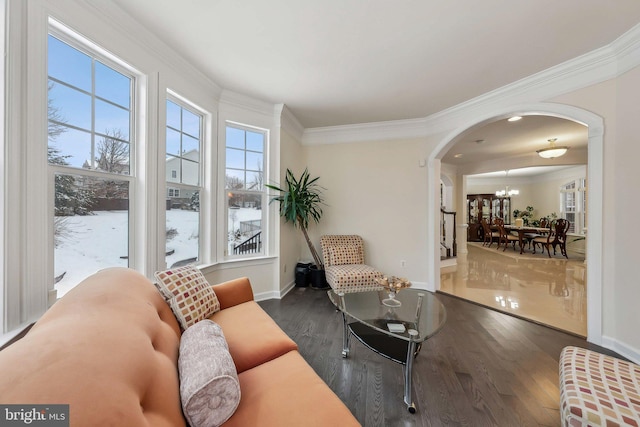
252, 335
286, 391
188, 293
346, 254
209, 387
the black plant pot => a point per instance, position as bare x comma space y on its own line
318, 278
302, 274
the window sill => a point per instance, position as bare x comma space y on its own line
238, 263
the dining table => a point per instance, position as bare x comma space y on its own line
523, 230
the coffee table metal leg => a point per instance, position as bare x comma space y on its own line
345, 336
408, 368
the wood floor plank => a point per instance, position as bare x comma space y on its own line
484, 368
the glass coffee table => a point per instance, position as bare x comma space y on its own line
396, 333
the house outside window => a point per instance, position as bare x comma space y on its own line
90, 139
245, 195
184, 130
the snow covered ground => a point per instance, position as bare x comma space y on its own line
100, 240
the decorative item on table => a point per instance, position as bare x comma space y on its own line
393, 285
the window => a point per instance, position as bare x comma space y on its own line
573, 205
183, 165
89, 155
244, 175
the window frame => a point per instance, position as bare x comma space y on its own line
577, 188
265, 225
205, 117
97, 53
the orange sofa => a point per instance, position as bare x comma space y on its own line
109, 349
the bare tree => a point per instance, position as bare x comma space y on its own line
233, 183
257, 180
113, 152
112, 156
56, 124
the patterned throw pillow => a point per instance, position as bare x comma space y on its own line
209, 386
188, 294
346, 254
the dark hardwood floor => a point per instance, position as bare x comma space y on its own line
484, 368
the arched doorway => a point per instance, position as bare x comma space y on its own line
595, 201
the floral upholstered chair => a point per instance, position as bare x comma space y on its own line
598, 389
344, 264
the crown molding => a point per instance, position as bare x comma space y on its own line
377, 131
289, 122
244, 102
594, 67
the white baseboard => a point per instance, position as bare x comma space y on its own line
448, 262
262, 296
621, 348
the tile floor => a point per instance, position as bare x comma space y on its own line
533, 286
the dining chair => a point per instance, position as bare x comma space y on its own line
505, 236
489, 235
562, 226
545, 241
543, 223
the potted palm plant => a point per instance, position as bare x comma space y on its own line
300, 202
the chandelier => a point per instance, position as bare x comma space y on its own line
552, 151
507, 192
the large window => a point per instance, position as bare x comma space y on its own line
244, 175
573, 205
183, 177
89, 154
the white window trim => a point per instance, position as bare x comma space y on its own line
240, 110
206, 117
579, 192
264, 202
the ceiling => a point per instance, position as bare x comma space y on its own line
340, 62
520, 139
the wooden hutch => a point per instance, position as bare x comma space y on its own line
488, 206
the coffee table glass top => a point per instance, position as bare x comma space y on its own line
367, 308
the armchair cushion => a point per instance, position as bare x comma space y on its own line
346, 254
353, 278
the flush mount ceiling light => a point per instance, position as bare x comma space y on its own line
553, 150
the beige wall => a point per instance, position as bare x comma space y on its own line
291, 240
623, 321
617, 102
378, 191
